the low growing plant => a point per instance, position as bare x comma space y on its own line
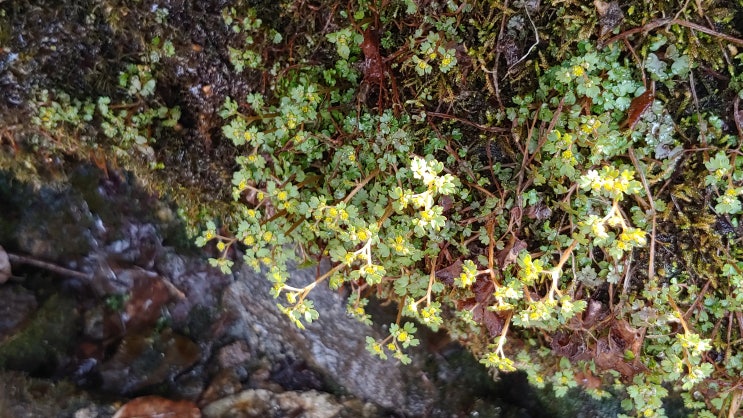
585, 230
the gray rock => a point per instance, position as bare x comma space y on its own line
334, 345
18, 304
261, 403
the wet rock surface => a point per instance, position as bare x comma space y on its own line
126, 314
334, 347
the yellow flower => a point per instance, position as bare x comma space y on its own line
578, 71
291, 120
267, 236
362, 235
466, 280
399, 245
348, 258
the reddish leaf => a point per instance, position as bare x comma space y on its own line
493, 323
626, 337
738, 116
482, 315
510, 253
588, 380
637, 108
610, 350
373, 63
570, 345
157, 407
448, 274
483, 289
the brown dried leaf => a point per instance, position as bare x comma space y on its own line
157, 407
448, 274
626, 336
147, 359
373, 63
510, 50
510, 253
588, 380
493, 323
637, 108
483, 289
610, 350
482, 315
572, 346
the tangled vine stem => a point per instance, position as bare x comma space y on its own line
663, 22
557, 270
19, 259
304, 291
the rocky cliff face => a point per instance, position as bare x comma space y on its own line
112, 302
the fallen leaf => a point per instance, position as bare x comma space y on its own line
447, 274
510, 253
637, 108
482, 315
610, 350
593, 314
373, 63
147, 359
588, 380
483, 289
157, 407
572, 346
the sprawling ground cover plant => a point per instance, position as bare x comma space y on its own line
555, 185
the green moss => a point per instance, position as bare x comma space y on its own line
47, 338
